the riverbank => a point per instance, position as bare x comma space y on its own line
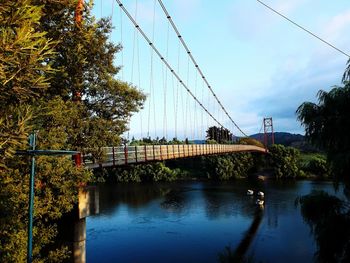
281, 163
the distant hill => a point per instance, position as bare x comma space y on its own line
288, 139
285, 138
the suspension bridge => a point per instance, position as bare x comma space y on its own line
181, 103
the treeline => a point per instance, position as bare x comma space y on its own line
281, 163
58, 78
216, 167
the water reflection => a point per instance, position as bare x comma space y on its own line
192, 222
239, 254
72, 226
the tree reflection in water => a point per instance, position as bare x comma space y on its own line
329, 219
239, 254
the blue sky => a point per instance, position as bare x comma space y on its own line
258, 64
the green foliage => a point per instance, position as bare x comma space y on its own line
211, 141
150, 172
250, 141
327, 124
24, 51
85, 73
315, 164
284, 161
14, 130
220, 135
157, 141
58, 79
329, 220
229, 166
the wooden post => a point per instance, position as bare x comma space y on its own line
145, 153
135, 154
126, 154
113, 156
160, 151
167, 151
154, 154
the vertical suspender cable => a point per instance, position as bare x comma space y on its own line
197, 66
187, 113
195, 108
177, 89
202, 127
151, 79
139, 80
112, 17
165, 133
121, 42
166, 62
154, 99
174, 103
133, 47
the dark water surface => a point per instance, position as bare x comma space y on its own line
199, 221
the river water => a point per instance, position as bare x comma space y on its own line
201, 222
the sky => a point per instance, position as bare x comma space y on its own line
257, 63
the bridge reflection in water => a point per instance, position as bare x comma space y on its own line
72, 226
140, 154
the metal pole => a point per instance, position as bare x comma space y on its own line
32, 139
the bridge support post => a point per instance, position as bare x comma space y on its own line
77, 159
113, 151
135, 153
126, 154
154, 153
145, 149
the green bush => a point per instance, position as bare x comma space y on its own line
284, 161
318, 167
229, 166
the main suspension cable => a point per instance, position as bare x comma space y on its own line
196, 65
303, 28
165, 61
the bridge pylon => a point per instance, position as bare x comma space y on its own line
269, 137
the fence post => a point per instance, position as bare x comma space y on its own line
154, 154
145, 153
135, 154
126, 154
113, 156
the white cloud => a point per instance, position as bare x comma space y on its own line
337, 26
185, 8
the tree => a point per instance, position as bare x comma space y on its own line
82, 105
327, 126
23, 52
85, 73
220, 135
285, 161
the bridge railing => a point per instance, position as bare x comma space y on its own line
124, 155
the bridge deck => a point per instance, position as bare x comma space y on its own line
116, 156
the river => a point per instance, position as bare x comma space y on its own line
201, 222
